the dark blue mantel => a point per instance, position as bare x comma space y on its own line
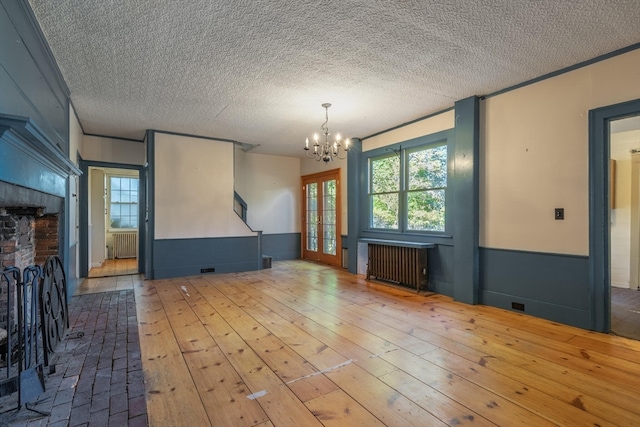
29, 159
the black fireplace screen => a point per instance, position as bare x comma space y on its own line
33, 320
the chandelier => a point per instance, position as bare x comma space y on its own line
326, 150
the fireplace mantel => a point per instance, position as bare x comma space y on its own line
29, 159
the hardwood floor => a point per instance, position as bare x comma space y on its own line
115, 267
303, 344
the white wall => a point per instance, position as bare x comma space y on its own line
270, 185
112, 150
194, 189
621, 225
438, 123
534, 156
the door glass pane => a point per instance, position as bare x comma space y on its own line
329, 217
312, 217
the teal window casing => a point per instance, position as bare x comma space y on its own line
409, 186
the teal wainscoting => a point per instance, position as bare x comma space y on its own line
551, 286
282, 246
187, 257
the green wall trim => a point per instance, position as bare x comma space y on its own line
356, 182
149, 223
466, 200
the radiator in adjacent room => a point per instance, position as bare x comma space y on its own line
125, 245
401, 265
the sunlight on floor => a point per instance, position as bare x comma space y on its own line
108, 284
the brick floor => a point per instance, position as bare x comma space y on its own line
98, 379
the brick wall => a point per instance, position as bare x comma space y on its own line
27, 237
17, 239
46, 234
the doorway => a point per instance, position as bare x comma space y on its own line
624, 139
603, 187
113, 226
112, 202
321, 220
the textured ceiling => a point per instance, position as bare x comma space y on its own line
257, 71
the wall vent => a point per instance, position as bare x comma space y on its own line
208, 270
517, 306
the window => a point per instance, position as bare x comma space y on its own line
407, 189
426, 187
385, 192
123, 202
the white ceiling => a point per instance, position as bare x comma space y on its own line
257, 71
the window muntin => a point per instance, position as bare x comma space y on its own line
123, 202
407, 190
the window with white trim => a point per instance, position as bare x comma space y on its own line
123, 202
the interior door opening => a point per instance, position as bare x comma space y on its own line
114, 212
624, 231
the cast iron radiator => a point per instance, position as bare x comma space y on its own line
125, 245
399, 265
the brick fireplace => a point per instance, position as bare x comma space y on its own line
27, 236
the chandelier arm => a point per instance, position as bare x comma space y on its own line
312, 156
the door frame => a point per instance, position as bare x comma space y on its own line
333, 173
84, 211
599, 211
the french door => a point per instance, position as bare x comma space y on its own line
321, 217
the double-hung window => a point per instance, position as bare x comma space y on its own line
407, 189
123, 202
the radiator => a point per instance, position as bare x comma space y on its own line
399, 265
125, 245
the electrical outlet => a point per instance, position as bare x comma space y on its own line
559, 213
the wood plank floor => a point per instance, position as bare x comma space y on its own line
303, 344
